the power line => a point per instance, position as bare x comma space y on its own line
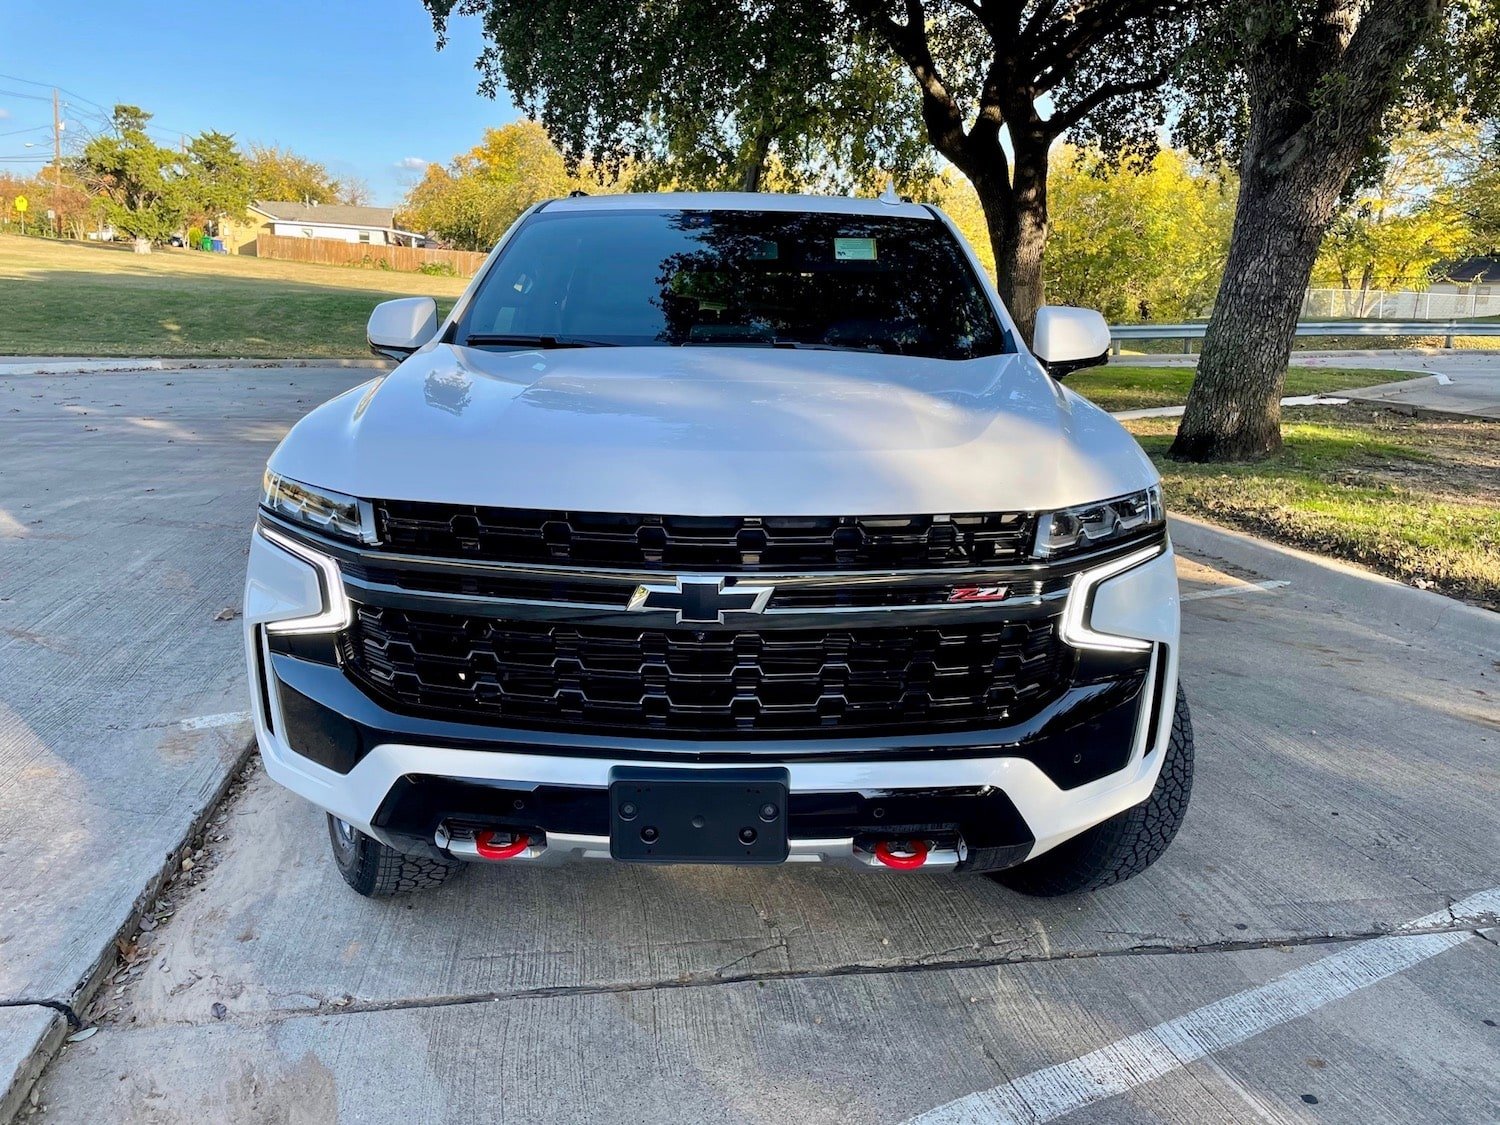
18, 132
104, 115
53, 85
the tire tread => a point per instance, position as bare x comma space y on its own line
1126, 844
376, 870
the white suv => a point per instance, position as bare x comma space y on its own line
722, 529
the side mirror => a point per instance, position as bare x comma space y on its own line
1067, 339
398, 328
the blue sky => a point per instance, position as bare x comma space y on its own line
357, 84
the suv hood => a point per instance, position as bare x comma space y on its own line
716, 431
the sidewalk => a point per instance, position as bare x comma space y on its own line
1460, 383
81, 365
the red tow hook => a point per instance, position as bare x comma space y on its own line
484, 844
902, 855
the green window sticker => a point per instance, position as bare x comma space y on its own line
854, 249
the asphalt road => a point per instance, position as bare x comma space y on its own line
1319, 944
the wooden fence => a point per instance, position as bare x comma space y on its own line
332, 252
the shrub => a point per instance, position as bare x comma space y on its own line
438, 269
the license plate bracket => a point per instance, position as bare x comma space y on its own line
698, 816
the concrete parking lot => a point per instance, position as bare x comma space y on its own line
1321, 943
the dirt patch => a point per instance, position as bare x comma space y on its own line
134, 954
1452, 459
1414, 498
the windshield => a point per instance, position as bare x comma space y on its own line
738, 278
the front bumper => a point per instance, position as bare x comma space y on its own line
983, 800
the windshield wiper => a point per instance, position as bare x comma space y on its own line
502, 339
800, 345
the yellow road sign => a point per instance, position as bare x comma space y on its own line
21, 204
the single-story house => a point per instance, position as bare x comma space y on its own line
1477, 276
1468, 287
370, 226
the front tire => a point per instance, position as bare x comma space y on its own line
1125, 844
376, 870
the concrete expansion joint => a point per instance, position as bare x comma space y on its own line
66, 1010
347, 1005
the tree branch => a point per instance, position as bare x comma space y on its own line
1066, 119
1075, 35
1032, 32
940, 113
976, 9
1372, 66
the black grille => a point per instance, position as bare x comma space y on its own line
791, 543
848, 681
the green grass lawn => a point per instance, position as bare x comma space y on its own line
1416, 499
70, 298
1125, 387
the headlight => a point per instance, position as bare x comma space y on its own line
1087, 527
332, 513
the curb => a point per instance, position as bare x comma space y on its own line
123, 365
1332, 398
1388, 395
32, 1060
22, 1062
1312, 357
1384, 602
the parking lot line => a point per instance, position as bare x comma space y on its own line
1050, 1093
208, 722
1231, 591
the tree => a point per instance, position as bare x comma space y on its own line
140, 179
1406, 220
65, 196
984, 67
787, 78
1137, 241
700, 93
1477, 198
480, 193
279, 174
1316, 81
217, 178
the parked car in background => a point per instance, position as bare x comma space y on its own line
737, 529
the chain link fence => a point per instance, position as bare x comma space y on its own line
1405, 304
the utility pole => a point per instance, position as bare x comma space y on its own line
57, 130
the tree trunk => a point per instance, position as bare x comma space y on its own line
1016, 215
1234, 405
1366, 279
756, 160
1314, 110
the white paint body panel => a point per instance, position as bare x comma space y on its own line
1066, 335
406, 322
716, 431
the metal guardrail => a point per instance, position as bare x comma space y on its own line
1187, 333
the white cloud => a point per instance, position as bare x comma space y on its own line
4, 113
411, 163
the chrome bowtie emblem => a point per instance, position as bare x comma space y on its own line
700, 598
